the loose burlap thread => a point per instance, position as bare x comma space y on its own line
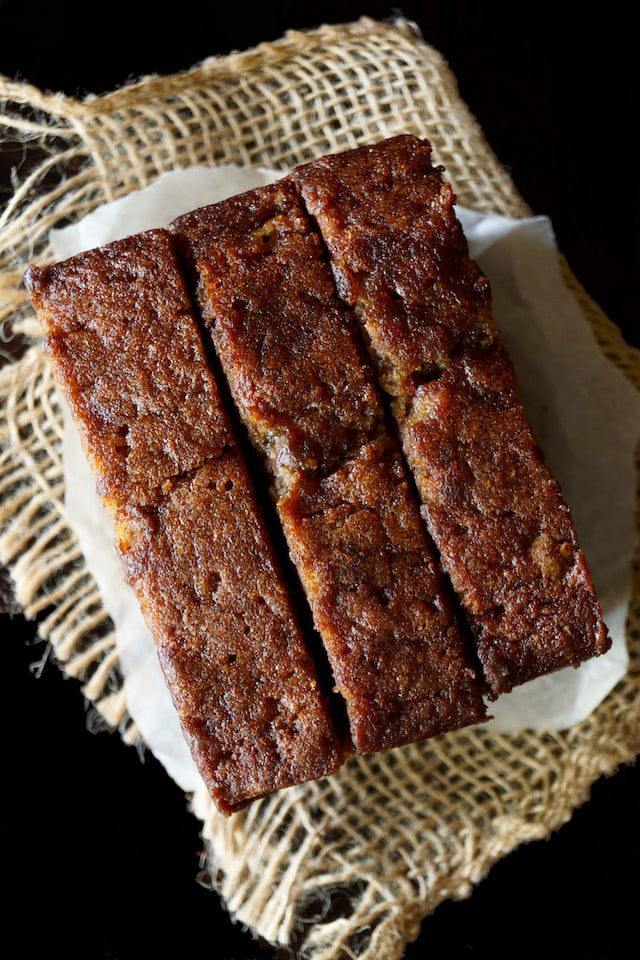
348, 866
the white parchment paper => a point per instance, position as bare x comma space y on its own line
585, 413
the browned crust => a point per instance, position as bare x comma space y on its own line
306, 393
496, 514
124, 344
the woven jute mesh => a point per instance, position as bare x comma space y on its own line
348, 866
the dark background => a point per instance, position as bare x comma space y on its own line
98, 851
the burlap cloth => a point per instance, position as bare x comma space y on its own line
345, 867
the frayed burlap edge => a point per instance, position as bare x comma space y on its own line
348, 866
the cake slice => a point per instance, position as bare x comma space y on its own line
123, 342
306, 393
497, 516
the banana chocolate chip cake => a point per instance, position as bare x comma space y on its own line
497, 516
307, 429
306, 393
120, 333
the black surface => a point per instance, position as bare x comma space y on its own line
98, 850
